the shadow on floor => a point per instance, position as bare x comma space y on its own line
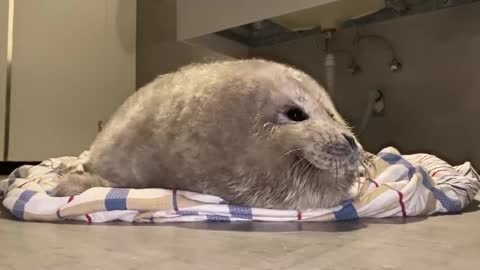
5, 214
473, 207
332, 226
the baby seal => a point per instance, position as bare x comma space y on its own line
253, 132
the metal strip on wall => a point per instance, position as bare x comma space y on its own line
8, 92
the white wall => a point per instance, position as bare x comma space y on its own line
432, 105
73, 65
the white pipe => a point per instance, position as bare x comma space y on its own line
330, 73
372, 98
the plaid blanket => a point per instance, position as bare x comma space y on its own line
401, 186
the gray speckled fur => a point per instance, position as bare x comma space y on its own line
219, 128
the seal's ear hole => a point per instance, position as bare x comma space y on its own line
296, 114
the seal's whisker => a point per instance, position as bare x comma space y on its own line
294, 165
291, 151
336, 169
305, 169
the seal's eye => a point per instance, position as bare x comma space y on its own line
296, 114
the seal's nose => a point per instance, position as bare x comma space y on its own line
351, 141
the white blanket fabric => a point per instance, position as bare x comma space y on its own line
401, 186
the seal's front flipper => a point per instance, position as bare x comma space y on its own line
77, 182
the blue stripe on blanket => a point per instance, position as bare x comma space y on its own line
186, 213
59, 216
448, 203
19, 207
240, 211
116, 199
217, 218
393, 159
11, 181
17, 173
174, 200
348, 212
13, 176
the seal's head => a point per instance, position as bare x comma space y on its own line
306, 125
283, 142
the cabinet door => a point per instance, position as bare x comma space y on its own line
73, 65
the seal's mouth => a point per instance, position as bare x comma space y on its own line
340, 166
349, 176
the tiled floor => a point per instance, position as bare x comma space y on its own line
442, 242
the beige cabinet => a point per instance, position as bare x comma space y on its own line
73, 65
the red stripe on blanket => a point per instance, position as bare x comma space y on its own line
89, 218
70, 198
402, 204
375, 183
299, 215
443, 170
20, 186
